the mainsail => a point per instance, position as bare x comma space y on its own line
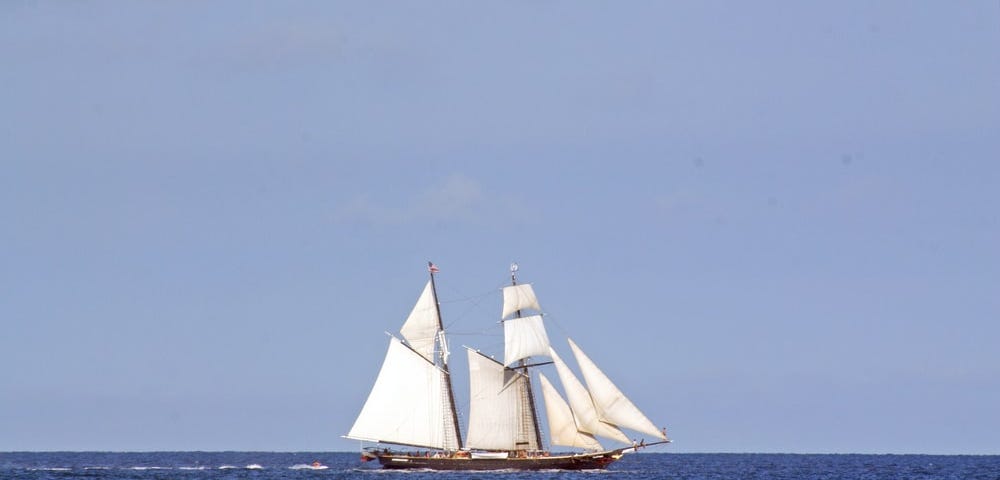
412, 402
407, 405
612, 405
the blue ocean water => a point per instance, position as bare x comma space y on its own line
272, 466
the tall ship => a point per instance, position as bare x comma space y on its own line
411, 406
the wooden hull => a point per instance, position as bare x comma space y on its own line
583, 461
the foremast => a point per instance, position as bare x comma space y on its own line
599, 411
522, 364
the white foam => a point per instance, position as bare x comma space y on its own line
227, 467
191, 468
254, 466
306, 466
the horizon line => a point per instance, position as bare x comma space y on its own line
638, 453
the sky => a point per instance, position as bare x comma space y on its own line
774, 224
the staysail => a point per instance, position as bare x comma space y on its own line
562, 429
407, 404
612, 405
580, 402
495, 406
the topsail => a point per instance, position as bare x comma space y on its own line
524, 337
421, 327
517, 298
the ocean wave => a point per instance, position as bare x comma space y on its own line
306, 466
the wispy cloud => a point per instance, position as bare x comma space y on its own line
456, 198
677, 200
285, 42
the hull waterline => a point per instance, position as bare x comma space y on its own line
588, 461
465, 461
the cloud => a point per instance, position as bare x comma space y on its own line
283, 43
674, 201
456, 199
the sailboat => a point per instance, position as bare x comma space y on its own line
412, 403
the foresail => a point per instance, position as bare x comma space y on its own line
582, 405
495, 406
524, 337
612, 405
408, 404
519, 297
562, 429
421, 327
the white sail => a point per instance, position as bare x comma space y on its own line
582, 405
495, 406
524, 337
408, 404
612, 405
519, 297
421, 326
562, 428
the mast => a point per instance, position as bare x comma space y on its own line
523, 365
431, 268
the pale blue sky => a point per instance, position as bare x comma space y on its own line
774, 224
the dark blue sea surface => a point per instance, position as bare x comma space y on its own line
295, 466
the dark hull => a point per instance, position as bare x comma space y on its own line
583, 461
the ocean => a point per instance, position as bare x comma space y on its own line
295, 466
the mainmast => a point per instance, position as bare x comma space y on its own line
522, 364
432, 269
